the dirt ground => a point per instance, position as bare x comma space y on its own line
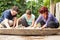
18, 37
15, 37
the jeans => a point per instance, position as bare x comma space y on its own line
23, 22
50, 24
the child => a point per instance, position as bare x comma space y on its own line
26, 19
9, 17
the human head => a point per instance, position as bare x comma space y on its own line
14, 10
28, 12
44, 11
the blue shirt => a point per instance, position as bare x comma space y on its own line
6, 14
50, 18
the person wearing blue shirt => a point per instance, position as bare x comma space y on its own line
9, 18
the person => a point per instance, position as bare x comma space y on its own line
9, 18
46, 19
26, 19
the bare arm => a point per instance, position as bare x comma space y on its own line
19, 19
33, 21
43, 27
17, 22
35, 25
14, 22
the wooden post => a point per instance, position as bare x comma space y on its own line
58, 11
52, 6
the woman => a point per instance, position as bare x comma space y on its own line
46, 19
26, 19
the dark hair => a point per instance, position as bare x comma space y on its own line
28, 12
15, 8
43, 9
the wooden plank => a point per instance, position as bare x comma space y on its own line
29, 31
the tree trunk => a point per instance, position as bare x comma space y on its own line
52, 7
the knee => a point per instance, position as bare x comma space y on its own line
10, 22
5, 20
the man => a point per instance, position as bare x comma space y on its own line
9, 17
26, 19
